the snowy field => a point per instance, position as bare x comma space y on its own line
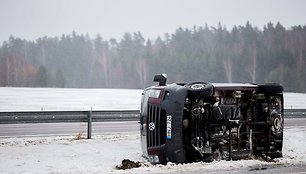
295, 100
58, 99
102, 153
52, 99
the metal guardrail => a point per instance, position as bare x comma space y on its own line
68, 116
295, 113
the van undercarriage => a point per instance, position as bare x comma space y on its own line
232, 125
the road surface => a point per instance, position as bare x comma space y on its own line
52, 129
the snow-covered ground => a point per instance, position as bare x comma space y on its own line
295, 100
102, 153
53, 99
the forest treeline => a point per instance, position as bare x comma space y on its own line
202, 53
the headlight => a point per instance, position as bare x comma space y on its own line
154, 159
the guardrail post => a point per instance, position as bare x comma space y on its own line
89, 127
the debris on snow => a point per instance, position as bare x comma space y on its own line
128, 164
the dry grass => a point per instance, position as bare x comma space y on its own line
79, 136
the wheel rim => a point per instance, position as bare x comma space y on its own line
277, 123
197, 86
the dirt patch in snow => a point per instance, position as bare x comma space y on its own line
128, 164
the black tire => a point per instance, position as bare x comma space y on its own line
271, 88
200, 90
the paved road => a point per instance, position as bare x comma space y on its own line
295, 122
51, 129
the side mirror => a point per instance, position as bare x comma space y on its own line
162, 79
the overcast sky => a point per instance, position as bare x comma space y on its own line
31, 19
